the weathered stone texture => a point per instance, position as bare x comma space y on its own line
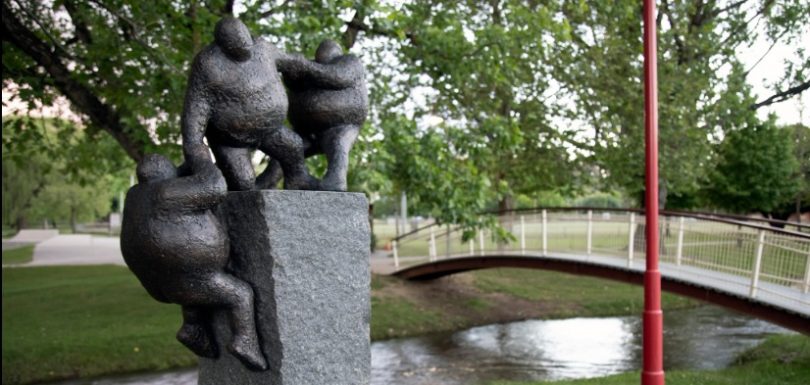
306, 255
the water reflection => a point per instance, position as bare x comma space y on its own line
556, 349
701, 338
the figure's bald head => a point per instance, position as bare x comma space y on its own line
233, 37
154, 167
328, 51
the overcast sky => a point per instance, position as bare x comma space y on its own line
771, 69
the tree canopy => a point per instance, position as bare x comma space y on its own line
53, 171
756, 170
473, 103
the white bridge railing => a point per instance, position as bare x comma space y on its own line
729, 254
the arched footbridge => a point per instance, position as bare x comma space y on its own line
748, 266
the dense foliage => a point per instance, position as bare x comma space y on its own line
756, 170
55, 172
474, 104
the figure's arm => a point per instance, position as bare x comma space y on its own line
196, 111
200, 191
343, 73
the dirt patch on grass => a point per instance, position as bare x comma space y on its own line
461, 303
492, 296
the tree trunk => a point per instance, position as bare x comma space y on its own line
21, 222
73, 224
371, 226
505, 205
81, 97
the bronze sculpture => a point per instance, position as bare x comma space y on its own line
174, 244
236, 100
328, 105
171, 238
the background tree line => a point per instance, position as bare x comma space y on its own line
475, 105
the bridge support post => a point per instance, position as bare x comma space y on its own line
679, 250
545, 233
806, 288
396, 254
447, 244
522, 235
432, 245
631, 240
481, 241
590, 231
757, 264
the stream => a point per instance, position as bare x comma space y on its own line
705, 337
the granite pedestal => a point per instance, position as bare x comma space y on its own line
306, 255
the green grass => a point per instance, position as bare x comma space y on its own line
8, 232
378, 282
477, 304
18, 255
397, 317
83, 321
588, 296
69, 322
65, 322
780, 360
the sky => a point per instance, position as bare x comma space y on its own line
769, 70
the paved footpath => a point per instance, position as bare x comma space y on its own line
83, 249
78, 249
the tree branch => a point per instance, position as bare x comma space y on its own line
131, 31
80, 96
79, 24
679, 45
728, 8
782, 96
378, 31
350, 35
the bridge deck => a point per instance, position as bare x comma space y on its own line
753, 268
768, 294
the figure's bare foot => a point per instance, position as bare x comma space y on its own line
333, 184
198, 340
248, 351
303, 182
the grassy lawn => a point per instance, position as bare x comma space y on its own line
18, 255
8, 232
401, 317
590, 296
780, 360
63, 322
68, 322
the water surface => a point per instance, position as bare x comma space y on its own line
701, 338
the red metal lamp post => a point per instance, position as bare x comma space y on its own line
653, 369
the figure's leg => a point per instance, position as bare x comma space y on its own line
269, 178
271, 175
336, 143
236, 167
218, 289
287, 148
196, 334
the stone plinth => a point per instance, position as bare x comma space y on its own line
306, 254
